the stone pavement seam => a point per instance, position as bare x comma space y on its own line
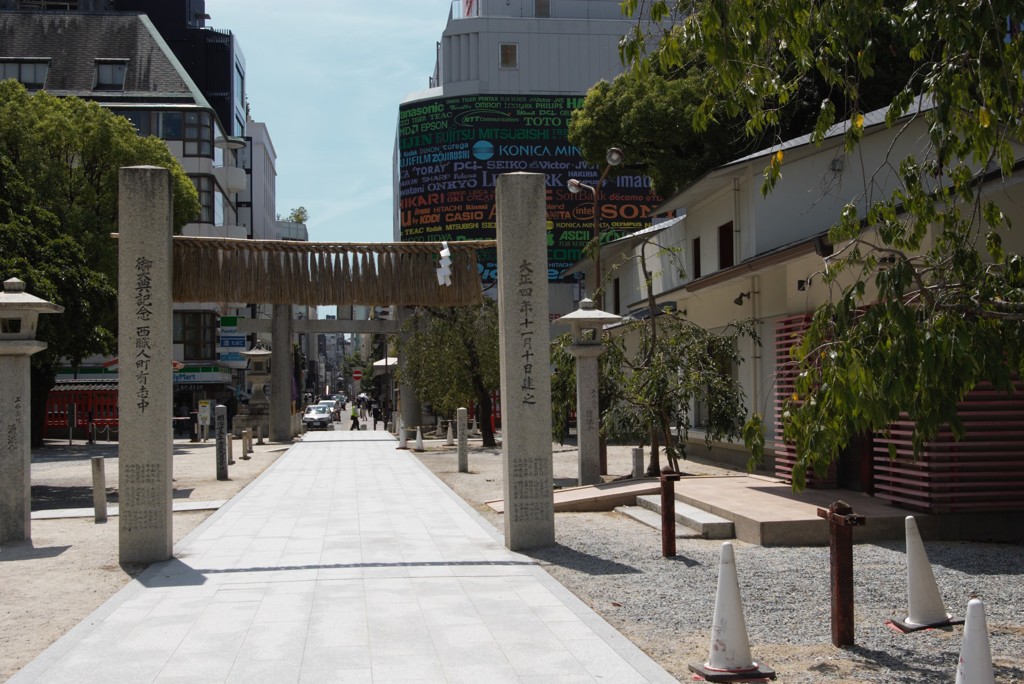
48, 658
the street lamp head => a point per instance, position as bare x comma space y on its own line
614, 156
574, 186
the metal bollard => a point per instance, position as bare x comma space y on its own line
668, 512
841, 521
99, 489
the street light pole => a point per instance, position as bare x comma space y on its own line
614, 157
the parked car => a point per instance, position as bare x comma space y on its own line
334, 407
317, 416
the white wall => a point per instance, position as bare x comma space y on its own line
263, 182
556, 56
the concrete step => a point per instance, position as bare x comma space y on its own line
708, 525
652, 519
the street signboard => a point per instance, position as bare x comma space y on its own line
357, 375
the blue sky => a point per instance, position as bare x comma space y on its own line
326, 77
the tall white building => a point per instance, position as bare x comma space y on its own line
508, 75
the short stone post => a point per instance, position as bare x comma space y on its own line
638, 463
99, 489
231, 448
463, 440
841, 521
450, 441
144, 344
220, 427
668, 512
403, 441
19, 314
246, 444
523, 340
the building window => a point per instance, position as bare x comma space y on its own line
509, 55
198, 134
727, 371
197, 332
542, 8
695, 261
239, 100
110, 74
204, 185
174, 125
218, 206
31, 73
726, 257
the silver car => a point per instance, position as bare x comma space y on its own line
317, 416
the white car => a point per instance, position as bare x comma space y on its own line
334, 406
317, 416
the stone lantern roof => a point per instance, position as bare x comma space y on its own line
19, 311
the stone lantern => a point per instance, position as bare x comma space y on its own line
19, 316
587, 324
255, 414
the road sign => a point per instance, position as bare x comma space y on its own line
357, 375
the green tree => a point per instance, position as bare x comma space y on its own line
298, 215
946, 297
451, 358
59, 161
652, 371
658, 112
649, 115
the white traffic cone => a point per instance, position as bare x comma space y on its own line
402, 441
451, 439
926, 609
729, 657
419, 439
975, 654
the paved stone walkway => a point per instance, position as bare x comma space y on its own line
347, 561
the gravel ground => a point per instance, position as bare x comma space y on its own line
666, 606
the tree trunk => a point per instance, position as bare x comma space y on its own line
487, 432
483, 397
654, 466
42, 381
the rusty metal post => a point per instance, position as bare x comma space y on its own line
841, 521
668, 512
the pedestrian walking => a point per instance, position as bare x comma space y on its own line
375, 411
355, 418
